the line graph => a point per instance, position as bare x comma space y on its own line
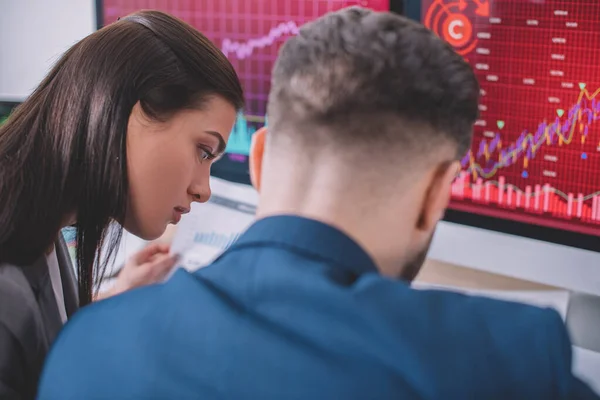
535, 156
243, 50
249, 33
579, 118
217, 240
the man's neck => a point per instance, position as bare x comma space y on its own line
330, 200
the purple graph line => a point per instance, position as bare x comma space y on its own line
534, 141
243, 50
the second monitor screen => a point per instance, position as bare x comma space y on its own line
536, 153
249, 33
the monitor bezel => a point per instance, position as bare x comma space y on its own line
11, 105
99, 14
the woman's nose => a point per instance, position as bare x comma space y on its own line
200, 193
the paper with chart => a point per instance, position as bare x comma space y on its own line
210, 228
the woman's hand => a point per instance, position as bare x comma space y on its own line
149, 265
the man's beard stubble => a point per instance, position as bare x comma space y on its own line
411, 269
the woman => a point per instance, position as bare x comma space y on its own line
124, 128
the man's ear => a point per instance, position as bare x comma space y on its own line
257, 150
437, 196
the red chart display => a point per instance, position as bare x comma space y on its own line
535, 157
249, 32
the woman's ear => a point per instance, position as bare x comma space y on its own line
257, 150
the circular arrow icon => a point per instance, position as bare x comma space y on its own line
449, 20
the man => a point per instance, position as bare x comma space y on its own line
369, 114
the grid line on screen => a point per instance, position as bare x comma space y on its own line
250, 33
535, 157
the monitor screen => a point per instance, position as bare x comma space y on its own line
535, 158
249, 33
6, 108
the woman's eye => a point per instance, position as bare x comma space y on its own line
205, 154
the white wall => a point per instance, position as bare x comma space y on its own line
33, 33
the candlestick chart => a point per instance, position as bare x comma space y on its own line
535, 157
249, 33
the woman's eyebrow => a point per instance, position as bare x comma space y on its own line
222, 144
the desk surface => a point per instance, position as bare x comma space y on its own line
440, 273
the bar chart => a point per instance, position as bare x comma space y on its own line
535, 156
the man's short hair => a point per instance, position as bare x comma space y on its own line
357, 76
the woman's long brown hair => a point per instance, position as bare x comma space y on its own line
63, 151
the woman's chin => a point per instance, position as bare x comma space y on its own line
147, 232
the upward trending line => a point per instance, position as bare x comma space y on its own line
245, 49
582, 115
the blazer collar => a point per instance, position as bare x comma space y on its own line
310, 237
67, 275
38, 277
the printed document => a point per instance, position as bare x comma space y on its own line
210, 228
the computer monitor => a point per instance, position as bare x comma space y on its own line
6, 108
250, 33
534, 166
526, 205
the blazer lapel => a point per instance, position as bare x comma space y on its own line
39, 279
67, 276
